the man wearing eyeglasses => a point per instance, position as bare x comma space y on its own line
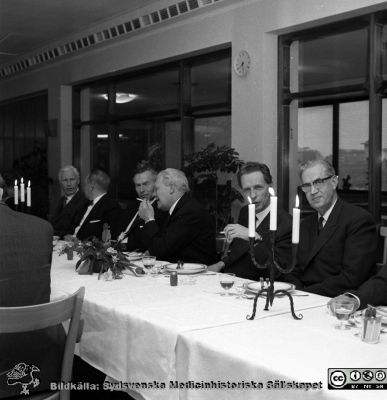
338, 243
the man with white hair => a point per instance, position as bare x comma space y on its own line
188, 233
71, 205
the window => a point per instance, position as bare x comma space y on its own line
160, 114
331, 106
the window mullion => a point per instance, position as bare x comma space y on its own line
375, 118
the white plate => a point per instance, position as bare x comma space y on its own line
188, 268
133, 256
255, 287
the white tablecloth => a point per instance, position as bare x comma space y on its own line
278, 348
143, 330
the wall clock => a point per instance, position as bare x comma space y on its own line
242, 63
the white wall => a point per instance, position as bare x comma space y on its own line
246, 24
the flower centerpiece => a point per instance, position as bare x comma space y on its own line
69, 247
101, 256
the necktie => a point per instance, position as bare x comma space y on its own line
320, 225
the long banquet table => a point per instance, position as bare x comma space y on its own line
160, 341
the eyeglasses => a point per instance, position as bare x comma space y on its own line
317, 184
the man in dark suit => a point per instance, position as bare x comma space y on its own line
337, 247
103, 209
187, 234
144, 180
255, 180
71, 206
373, 291
25, 263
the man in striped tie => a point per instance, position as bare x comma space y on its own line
336, 253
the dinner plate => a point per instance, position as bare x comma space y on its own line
255, 287
187, 269
133, 255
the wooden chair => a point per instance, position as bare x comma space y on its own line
31, 318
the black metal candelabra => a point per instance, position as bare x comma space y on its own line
273, 265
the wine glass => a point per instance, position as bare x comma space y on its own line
226, 281
343, 308
240, 289
148, 263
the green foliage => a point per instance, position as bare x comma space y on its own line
202, 169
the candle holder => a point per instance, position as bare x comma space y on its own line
273, 265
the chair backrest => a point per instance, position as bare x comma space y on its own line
31, 318
383, 234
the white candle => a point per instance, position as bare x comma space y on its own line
22, 191
296, 222
251, 219
273, 210
16, 193
29, 194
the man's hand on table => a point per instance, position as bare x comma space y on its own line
217, 267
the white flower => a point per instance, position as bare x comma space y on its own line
110, 250
115, 259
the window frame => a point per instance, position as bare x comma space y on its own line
371, 90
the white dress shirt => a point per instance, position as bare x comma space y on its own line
95, 201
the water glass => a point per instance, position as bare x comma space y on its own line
343, 307
148, 263
240, 288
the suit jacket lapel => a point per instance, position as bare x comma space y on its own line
327, 231
179, 204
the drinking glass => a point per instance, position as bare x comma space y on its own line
240, 289
343, 308
226, 281
148, 263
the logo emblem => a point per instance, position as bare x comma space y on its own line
368, 375
380, 375
355, 375
337, 378
23, 374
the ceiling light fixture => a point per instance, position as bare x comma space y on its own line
122, 97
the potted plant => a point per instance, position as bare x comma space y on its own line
204, 170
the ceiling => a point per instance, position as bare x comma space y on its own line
26, 25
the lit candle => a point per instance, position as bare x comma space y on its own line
22, 192
29, 194
251, 218
296, 222
273, 210
16, 194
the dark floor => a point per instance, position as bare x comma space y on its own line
83, 372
